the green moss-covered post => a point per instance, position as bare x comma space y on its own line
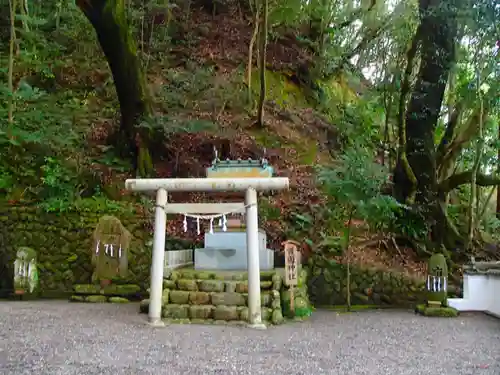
108, 17
110, 250
25, 271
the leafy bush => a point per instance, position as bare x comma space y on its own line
356, 183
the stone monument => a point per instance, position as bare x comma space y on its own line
437, 289
110, 250
437, 281
25, 271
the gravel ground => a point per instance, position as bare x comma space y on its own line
47, 337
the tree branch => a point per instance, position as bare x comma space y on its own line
449, 133
463, 178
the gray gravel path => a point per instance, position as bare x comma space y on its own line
47, 337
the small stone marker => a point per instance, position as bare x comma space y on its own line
25, 271
291, 267
110, 249
437, 280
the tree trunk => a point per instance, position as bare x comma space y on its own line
263, 53
438, 30
10, 72
250, 52
498, 171
108, 18
474, 191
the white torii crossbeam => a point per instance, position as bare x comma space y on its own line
249, 185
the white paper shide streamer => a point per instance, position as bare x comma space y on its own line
109, 249
222, 223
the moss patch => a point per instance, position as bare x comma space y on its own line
443, 312
280, 89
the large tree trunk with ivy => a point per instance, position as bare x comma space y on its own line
108, 17
416, 181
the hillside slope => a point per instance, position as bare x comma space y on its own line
200, 94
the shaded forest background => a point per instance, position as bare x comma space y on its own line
385, 115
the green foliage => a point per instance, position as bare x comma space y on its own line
356, 183
491, 225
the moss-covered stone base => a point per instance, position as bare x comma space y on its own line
98, 299
112, 293
444, 312
191, 296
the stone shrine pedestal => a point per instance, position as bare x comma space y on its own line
228, 251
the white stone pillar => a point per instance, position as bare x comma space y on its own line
156, 289
252, 223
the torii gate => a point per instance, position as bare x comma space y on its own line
249, 185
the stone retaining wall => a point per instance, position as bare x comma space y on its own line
328, 286
63, 242
222, 297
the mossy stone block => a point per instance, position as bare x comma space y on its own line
205, 275
277, 282
266, 313
243, 314
118, 300
266, 299
180, 297
77, 299
211, 285
228, 299
176, 311
277, 317
225, 313
169, 284
188, 274
187, 284
266, 285
199, 298
200, 311
165, 297
237, 276
241, 287
444, 312
87, 289
276, 304
267, 275
96, 299
229, 286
